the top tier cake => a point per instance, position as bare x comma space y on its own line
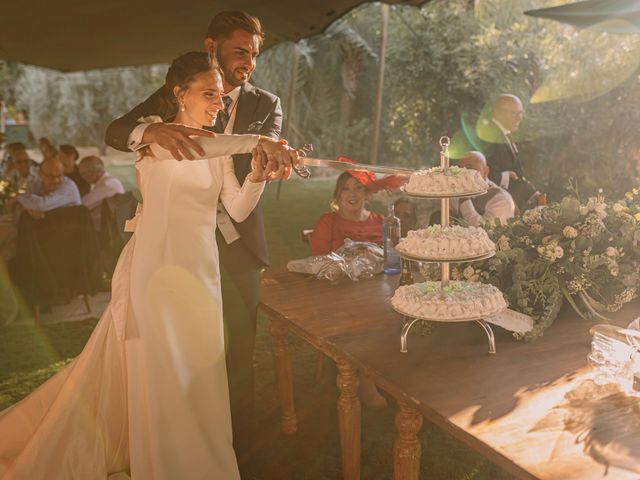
446, 243
453, 181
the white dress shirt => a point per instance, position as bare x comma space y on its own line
500, 206
36, 198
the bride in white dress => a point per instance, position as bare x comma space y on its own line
148, 398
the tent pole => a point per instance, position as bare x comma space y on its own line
373, 154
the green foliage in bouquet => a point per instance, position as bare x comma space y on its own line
8, 190
585, 253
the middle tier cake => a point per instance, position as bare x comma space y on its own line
446, 243
458, 301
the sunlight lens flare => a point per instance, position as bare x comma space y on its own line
601, 63
187, 317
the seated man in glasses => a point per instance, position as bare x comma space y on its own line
496, 204
51, 190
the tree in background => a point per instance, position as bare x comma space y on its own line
320, 82
445, 62
77, 107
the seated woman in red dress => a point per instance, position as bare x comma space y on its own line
349, 218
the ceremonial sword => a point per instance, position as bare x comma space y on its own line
306, 161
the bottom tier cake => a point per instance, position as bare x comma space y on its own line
458, 301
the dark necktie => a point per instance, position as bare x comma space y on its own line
512, 145
516, 165
223, 115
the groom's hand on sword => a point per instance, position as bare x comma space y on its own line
177, 139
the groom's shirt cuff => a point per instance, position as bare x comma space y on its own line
134, 142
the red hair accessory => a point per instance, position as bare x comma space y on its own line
369, 180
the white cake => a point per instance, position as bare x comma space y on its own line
454, 180
457, 301
446, 243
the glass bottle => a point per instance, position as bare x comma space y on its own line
391, 235
406, 277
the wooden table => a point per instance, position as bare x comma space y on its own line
531, 408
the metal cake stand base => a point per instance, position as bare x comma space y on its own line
410, 322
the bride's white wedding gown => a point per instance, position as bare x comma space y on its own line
148, 395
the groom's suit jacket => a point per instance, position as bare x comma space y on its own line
257, 112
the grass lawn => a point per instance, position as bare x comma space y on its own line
29, 354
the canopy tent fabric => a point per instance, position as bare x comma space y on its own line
72, 35
614, 16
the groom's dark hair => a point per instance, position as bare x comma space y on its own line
225, 23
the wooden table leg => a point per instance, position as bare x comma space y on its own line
284, 377
406, 449
349, 419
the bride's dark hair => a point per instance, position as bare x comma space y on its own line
185, 68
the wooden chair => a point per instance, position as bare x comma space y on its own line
116, 210
305, 235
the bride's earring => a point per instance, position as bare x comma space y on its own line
182, 109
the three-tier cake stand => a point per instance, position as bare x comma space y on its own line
410, 320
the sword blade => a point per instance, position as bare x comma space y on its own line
321, 163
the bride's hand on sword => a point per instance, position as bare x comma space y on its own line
281, 154
263, 167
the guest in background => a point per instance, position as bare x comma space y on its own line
47, 149
51, 190
349, 217
503, 159
68, 156
22, 170
7, 157
497, 203
104, 185
405, 210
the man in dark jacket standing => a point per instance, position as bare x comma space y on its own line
505, 167
234, 38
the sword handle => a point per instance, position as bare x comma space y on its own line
304, 151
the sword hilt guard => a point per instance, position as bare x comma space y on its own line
304, 151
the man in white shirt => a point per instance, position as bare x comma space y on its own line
497, 203
52, 190
103, 185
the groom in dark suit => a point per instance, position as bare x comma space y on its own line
235, 39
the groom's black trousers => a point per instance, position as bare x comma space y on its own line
240, 274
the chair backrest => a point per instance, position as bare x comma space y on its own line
305, 235
57, 253
116, 210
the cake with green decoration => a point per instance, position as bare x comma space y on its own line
449, 182
446, 243
456, 301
